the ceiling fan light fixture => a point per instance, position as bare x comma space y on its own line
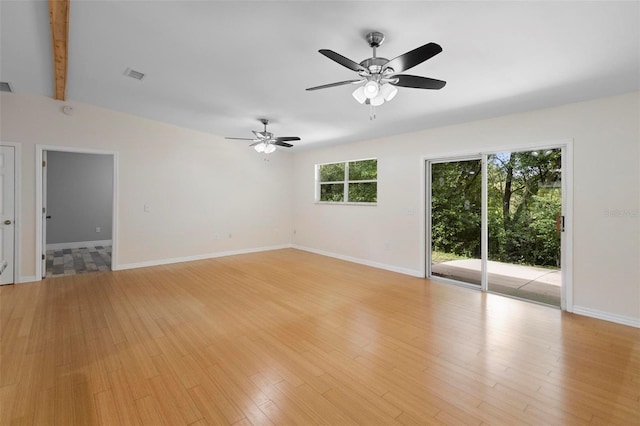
269, 148
260, 147
389, 91
380, 76
359, 95
371, 89
378, 100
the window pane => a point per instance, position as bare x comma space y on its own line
363, 170
332, 172
456, 220
332, 192
363, 192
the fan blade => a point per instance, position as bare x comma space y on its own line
287, 138
345, 62
413, 58
418, 82
259, 135
279, 143
340, 83
241, 139
256, 142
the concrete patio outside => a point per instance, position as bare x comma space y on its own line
528, 282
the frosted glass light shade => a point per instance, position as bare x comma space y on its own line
371, 89
378, 100
269, 148
359, 95
260, 147
388, 91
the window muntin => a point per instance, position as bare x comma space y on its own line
348, 182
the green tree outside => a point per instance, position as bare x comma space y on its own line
524, 205
333, 180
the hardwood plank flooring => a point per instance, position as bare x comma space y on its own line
289, 337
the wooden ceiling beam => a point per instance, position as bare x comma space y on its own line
59, 17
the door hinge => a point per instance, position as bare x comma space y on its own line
44, 163
561, 223
43, 257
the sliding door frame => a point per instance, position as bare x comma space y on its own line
566, 251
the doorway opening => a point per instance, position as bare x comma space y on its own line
76, 195
496, 222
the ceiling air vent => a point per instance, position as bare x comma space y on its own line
134, 74
5, 87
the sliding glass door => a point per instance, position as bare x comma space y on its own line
495, 222
456, 212
525, 224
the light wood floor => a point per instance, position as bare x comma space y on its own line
288, 337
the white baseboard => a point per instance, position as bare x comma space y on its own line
78, 244
405, 271
620, 319
197, 257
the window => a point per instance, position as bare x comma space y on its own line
348, 182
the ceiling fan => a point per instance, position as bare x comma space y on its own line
381, 76
265, 141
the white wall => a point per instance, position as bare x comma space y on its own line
79, 197
606, 135
199, 187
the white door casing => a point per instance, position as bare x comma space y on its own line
40, 246
7, 213
44, 214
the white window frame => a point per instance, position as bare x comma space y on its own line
345, 184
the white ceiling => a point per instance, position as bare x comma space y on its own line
217, 66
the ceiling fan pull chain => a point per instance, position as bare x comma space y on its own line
372, 112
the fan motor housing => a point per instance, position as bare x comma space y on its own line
374, 65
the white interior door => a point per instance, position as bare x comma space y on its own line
7, 213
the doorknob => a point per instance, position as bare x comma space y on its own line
7, 222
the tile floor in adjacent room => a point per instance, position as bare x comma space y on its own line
78, 260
